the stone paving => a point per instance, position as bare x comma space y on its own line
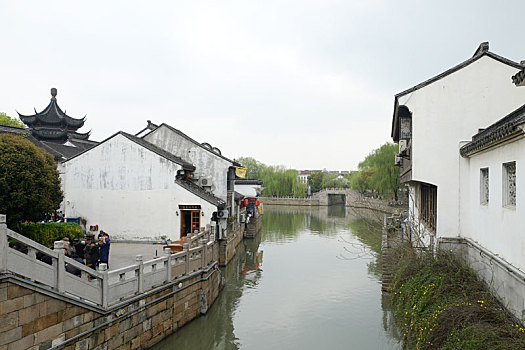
123, 254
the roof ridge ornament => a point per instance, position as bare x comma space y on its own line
53, 93
482, 48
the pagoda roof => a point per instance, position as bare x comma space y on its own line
53, 115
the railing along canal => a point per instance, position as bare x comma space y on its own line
101, 288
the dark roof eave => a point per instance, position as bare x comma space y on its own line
458, 67
463, 64
506, 127
248, 182
195, 142
200, 192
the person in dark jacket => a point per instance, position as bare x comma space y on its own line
104, 248
92, 254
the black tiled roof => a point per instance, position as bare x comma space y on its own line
483, 50
248, 182
59, 151
238, 196
202, 145
158, 150
200, 192
494, 133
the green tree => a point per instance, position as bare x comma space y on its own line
377, 172
10, 121
277, 180
361, 180
315, 180
29, 181
255, 168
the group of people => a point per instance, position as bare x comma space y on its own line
90, 251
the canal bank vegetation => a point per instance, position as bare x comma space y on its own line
441, 304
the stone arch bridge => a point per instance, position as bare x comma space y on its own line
330, 196
350, 198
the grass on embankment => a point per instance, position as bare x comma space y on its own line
441, 304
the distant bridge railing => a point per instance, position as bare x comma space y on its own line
30, 260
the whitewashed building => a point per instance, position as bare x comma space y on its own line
492, 177
431, 120
212, 168
466, 192
135, 190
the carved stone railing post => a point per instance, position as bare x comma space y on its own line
140, 273
58, 246
167, 253
103, 267
186, 248
3, 244
204, 247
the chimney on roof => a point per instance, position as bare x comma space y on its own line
482, 48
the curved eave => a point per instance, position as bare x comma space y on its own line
49, 134
27, 119
80, 136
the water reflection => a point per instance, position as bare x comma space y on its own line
309, 280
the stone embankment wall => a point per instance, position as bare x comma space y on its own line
228, 246
253, 227
37, 318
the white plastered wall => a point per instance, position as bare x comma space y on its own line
494, 226
128, 191
451, 110
206, 162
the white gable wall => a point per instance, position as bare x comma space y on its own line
451, 110
494, 226
206, 163
127, 191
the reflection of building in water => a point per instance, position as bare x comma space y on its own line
252, 271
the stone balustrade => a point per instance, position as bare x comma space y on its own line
30, 260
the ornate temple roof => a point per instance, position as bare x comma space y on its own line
54, 125
55, 131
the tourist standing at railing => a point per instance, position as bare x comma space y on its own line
104, 243
92, 253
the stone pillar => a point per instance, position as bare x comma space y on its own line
204, 253
140, 273
103, 267
186, 248
167, 253
59, 247
3, 244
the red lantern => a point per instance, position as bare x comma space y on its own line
257, 202
246, 202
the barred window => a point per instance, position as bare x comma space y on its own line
509, 184
484, 186
428, 205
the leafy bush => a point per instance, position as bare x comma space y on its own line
46, 233
441, 304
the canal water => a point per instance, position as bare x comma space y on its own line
310, 280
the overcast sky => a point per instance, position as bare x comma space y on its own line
305, 84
